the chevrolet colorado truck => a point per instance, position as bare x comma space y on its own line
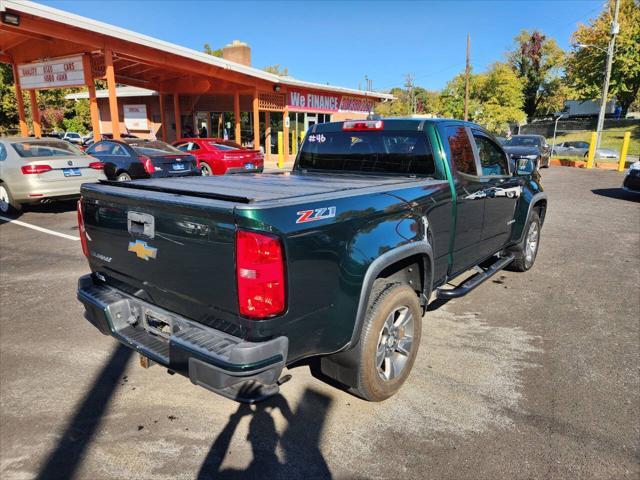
227, 280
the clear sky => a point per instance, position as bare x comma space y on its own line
340, 42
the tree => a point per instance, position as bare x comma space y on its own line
537, 61
216, 53
276, 70
8, 108
498, 98
586, 65
398, 107
495, 98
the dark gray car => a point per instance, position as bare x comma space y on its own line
530, 147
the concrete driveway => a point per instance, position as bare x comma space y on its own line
532, 375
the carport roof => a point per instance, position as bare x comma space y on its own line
94, 26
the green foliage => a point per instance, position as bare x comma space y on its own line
275, 69
495, 98
536, 60
8, 108
498, 98
216, 53
586, 66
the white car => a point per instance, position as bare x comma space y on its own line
631, 182
33, 170
73, 137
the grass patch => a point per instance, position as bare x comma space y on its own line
611, 138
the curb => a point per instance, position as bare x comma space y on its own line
557, 162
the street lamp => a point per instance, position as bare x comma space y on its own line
615, 29
589, 45
555, 127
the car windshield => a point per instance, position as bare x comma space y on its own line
225, 146
45, 148
152, 148
388, 152
521, 141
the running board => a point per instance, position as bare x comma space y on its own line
476, 280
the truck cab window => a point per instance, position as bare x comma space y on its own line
461, 151
492, 159
388, 152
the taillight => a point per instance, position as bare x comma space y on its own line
96, 165
147, 164
361, 125
33, 169
81, 230
260, 275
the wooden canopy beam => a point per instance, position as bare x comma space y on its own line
113, 99
24, 129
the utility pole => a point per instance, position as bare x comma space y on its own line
466, 81
615, 29
412, 96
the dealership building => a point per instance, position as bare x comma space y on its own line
155, 89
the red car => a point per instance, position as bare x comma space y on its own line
216, 156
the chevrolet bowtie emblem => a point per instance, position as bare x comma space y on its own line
142, 250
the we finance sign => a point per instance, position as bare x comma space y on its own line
311, 101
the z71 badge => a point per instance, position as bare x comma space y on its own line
323, 213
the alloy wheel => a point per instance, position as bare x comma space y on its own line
4, 200
531, 245
395, 343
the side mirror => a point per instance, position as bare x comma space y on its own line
525, 167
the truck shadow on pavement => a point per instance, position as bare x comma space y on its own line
69, 452
618, 194
300, 442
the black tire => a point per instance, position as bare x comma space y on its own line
371, 384
123, 177
525, 259
8, 205
206, 170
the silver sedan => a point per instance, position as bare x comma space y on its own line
581, 149
33, 170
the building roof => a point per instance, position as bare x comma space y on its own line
77, 21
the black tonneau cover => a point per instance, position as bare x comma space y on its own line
251, 188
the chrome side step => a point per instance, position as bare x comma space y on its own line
474, 281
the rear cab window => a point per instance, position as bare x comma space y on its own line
46, 148
395, 152
461, 150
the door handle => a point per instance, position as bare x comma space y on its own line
141, 224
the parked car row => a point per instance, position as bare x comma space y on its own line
35, 170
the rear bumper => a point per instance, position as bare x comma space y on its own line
227, 365
257, 169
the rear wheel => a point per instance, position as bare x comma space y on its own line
527, 250
123, 177
7, 205
205, 169
388, 342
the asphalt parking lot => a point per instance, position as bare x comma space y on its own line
532, 375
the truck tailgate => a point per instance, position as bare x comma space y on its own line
173, 251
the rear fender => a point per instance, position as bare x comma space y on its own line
420, 248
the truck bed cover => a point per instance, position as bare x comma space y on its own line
253, 188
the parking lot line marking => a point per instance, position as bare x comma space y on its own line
40, 229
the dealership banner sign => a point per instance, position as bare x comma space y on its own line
54, 73
135, 117
325, 102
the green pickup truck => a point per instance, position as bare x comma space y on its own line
229, 279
